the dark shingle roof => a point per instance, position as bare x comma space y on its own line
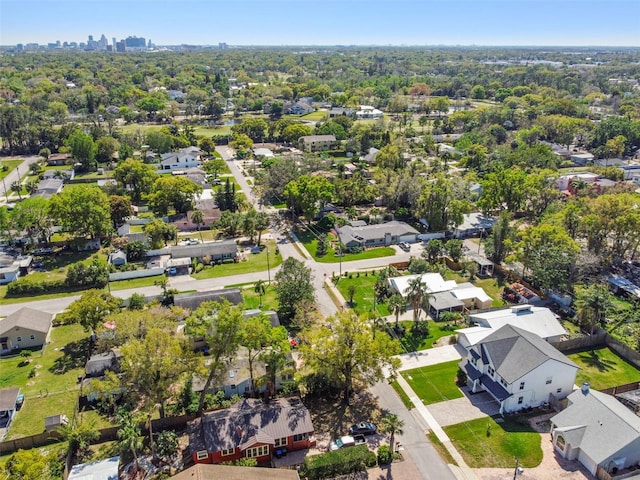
247, 423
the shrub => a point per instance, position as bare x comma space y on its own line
339, 462
384, 455
136, 302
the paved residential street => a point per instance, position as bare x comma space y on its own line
421, 459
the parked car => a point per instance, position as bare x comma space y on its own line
342, 442
363, 428
404, 246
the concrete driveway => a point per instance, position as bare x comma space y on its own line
469, 407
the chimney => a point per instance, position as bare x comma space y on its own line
239, 432
585, 388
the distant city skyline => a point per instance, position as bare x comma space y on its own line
330, 22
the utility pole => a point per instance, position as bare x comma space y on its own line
268, 266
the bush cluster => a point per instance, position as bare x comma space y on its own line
339, 462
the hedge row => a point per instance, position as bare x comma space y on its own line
339, 462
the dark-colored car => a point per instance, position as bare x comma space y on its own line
363, 428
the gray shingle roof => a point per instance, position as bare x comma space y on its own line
226, 247
28, 318
8, 397
598, 424
515, 352
193, 300
247, 423
374, 232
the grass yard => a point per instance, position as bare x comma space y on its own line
436, 383
363, 297
310, 242
54, 388
483, 443
603, 368
413, 342
253, 263
134, 283
252, 300
11, 165
210, 132
30, 420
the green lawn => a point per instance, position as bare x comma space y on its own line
413, 343
252, 300
134, 283
436, 383
11, 165
310, 242
603, 368
30, 420
363, 297
253, 263
483, 443
54, 389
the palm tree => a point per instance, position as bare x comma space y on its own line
16, 187
592, 304
417, 294
392, 424
198, 218
129, 436
260, 289
397, 305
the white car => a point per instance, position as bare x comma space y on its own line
404, 246
342, 442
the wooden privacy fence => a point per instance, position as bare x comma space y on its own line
106, 434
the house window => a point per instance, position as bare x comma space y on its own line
233, 386
520, 400
559, 390
18, 339
202, 455
228, 451
32, 337
301, 436
260, 451
560, 442
281, 442
549, 380
521, 385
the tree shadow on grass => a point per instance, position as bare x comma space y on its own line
75, 356
333, 417
592, 360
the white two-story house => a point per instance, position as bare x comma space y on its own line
518, 369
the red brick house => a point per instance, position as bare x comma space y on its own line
251, 429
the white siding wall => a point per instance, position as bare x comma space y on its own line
536, 390
587, 462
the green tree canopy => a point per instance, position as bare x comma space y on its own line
82, 210
348, 354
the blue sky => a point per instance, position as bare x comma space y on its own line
329, 22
